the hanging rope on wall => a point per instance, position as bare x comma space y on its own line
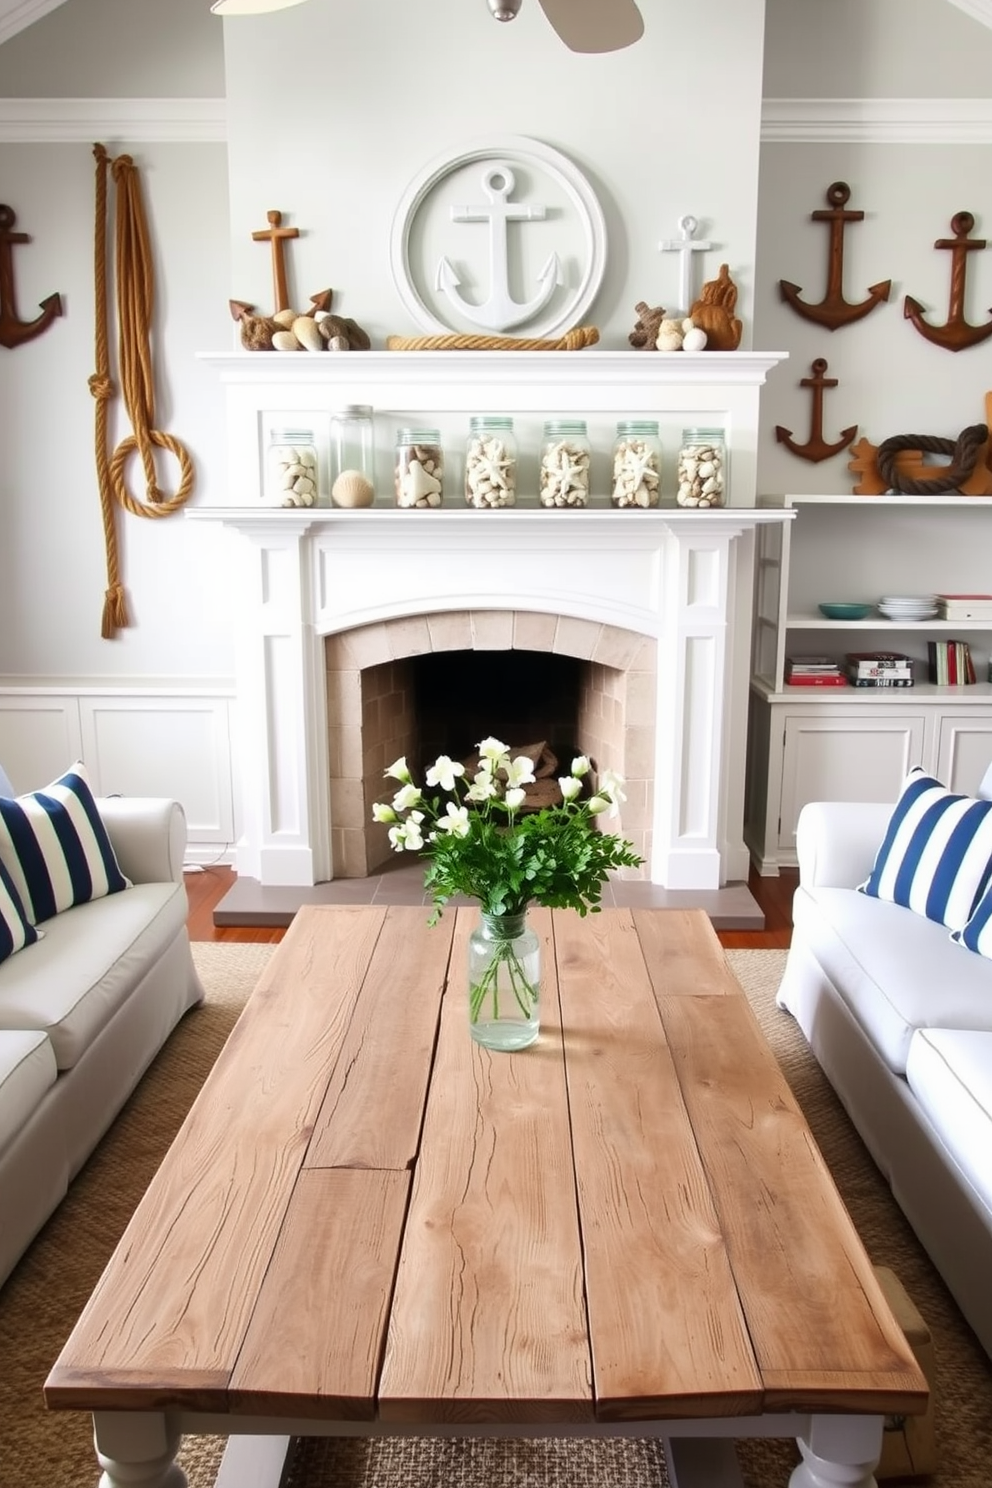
135, 303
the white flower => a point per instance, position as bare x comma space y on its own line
519, 771
580, 765
414, 841
405, 797
483, 788
515, 797
493, 754
596, 804
443, 772
611, 785
454, 821
397, 838
382, 812
569, 786
398, 770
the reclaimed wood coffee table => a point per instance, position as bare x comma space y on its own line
370, 1225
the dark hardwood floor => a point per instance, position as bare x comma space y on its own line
774, 895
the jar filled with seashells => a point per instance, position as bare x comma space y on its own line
490, 462
563, 478
292, 473
636, 464
702, 468
419, 475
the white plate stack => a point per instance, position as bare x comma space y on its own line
908, 606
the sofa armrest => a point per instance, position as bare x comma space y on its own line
837, 841
148, 834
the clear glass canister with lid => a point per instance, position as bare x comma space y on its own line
702, 468
352, 474
419, 468
565, 458
636, 463
291, 469
491, 462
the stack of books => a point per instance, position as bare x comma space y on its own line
950, 663
813, 671
879, 669
964, 606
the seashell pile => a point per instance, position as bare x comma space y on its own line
294, 476
635, 472
700, 475
490, 472
419, 474
564, 474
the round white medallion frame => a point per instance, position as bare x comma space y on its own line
513, 148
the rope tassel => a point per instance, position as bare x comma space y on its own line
135, 307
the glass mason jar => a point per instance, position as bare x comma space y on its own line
565, 458
504, 982
419, 468
291, 471
352, 473
702, 461
636, 463
491, 462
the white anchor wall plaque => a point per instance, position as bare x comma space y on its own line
556, 296
685, 245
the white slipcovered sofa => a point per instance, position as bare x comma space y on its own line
83, 1011
899, 1016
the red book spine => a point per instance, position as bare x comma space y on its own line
816, 681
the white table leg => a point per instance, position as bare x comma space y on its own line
137, 1449
839, 1452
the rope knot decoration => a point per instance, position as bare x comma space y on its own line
964, 453
135, 305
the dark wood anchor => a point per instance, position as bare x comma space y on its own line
833, 310
956, 334
13, 330
816, 447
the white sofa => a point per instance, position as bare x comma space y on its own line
899, 1017
83, 1013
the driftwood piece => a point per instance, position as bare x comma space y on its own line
908, 469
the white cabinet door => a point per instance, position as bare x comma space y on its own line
964, 748
850, 757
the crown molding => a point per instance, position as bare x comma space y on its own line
894, 121
979, 10
16, 15
36, 121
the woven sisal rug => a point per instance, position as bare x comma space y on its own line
46, 1292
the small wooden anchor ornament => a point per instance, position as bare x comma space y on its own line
816, 448
13, 330
276, 235
833, 310
956, 333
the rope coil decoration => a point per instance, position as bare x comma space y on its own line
964, 453
135, 303
573, 340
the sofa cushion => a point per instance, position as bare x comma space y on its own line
950, 1072
16, 930
936, 855
27, 1070
55, 847
74, 980
896, 970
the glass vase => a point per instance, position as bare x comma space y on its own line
504, 982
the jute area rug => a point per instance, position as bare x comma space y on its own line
44, 1295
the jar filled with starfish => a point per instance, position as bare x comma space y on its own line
419, 468
565, 460
636, 463
491, 462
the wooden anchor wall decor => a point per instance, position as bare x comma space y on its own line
833, 310
13, 330
816, 448
956, 333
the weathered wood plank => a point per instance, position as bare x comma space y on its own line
488, 1320
668, 1334
316, 1336
822, 1331
683, 955
168, 1316
372, 1113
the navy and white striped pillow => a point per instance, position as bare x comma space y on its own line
936, 857
977, 934
16, 930
55, 847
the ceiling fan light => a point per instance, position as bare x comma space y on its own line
250, 7
504, 10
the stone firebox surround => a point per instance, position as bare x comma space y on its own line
658, 602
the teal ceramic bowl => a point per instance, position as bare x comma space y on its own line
842, 610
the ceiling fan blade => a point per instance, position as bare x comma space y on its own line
595, 25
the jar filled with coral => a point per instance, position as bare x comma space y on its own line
419, 468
